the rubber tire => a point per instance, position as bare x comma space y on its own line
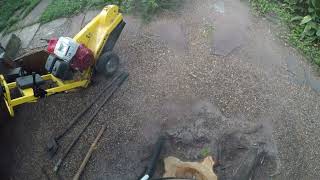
108, 64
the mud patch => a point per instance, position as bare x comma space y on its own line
241, 157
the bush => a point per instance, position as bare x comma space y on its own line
307, 16
303, 20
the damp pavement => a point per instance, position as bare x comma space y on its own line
208, 69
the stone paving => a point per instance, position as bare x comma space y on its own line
31, 35
34, 15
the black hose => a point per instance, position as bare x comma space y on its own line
155, 157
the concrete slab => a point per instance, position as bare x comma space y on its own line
89, 16
302, 74
56, 28
171, 33
296, 69
75, 25
27, 34
226, 39
35, 14
230, 28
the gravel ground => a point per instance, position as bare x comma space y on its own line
179, 86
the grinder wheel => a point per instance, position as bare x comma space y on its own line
108, 64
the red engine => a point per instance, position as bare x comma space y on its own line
83, 59
52, 44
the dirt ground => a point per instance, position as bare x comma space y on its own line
197, 74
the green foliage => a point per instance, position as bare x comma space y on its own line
262, 5
205, 152
310, 20
12, 21
101, 3
60, 8
28, 9
64, 8
145, 8
303, 20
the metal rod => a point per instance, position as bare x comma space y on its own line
117, 85
88, 155
84, 110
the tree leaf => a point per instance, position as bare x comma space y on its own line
305, 20
318, 33
309, 30
296, 18
316, 4
313, 25
310, 10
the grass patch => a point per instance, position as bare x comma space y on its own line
145, 8
307, 44
65, 8
205, 152
60, 8
8, 9
28, 9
